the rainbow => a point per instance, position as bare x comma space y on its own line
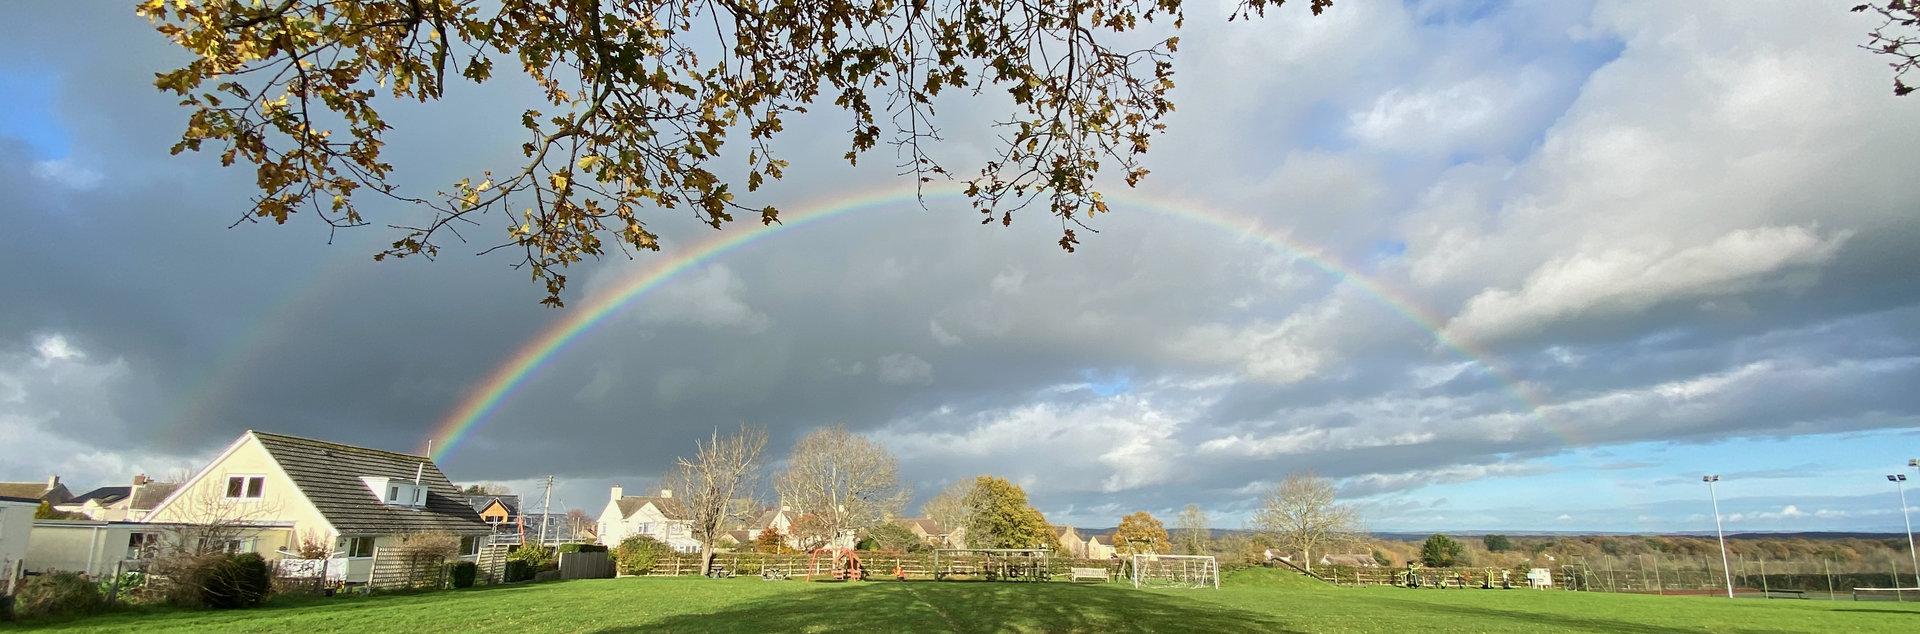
506, 378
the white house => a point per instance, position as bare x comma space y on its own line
16, 529
660, 517
112, 504
302, 492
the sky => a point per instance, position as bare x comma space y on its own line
1529, 266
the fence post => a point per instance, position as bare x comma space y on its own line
1765, 590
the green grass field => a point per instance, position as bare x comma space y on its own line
1254, 600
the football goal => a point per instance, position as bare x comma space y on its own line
1174, 571
1886, 594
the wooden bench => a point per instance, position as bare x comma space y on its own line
1091, 574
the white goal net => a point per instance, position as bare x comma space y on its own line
1175, 571
1886, 594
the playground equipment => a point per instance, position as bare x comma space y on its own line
992, 564
1175, 571
843, 564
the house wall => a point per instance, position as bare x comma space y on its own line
92, 548
280, 502
649, 521
16, 531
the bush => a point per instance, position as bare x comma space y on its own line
539, 557
517, 570
237, 581
636, 555
463, 574
58, 594
582, 548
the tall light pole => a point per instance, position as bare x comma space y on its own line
1899, 480
1725, 568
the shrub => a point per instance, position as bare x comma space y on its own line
463, 574
237, 581
58, 594
582, 548
636, 555
537, 556
517, 570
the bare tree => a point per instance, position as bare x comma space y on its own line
204, 522
1193, 537
949, 506
715, 487
847, 482
1302, 514
581, 526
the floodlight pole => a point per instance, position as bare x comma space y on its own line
1900, 482
1726, 569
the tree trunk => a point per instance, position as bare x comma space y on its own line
706, 557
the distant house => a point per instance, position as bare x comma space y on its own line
660, 517
934, 533
497, 509
1070, 541
1099, 546
112, 504
16, 528
779, 519
1349, 560
350, 500
51, 491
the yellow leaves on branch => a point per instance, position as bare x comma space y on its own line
648, 100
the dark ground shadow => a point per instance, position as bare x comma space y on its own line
1547, 620
969, 607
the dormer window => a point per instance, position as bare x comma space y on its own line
394, 492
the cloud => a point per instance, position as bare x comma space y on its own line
711, 298
905, 369
66, 172
1625, 281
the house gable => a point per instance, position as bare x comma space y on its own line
204, 495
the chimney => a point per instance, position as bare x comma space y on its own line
617, 491
53, 481
786, 509
666, 493
140, 479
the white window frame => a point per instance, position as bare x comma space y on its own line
371, 541
246, 480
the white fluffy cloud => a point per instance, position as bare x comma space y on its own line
905, 369
711, 297
1624, 280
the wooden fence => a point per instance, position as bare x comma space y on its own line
876, 565
394, 570
596, 565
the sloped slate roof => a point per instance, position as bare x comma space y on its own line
927, 525
329, 474
106, 495
668, 506
36, 490
151, 494
481, 502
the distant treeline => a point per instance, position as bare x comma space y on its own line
1780, 554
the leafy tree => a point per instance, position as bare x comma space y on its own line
639, 99
998, 516
1896, 37
1441, 551
771, 541
1194, 538
811, 532
847, 482
1302, 514
1140, 532
1497, 543
892, 537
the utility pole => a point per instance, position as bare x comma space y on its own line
546, 507
1725, 568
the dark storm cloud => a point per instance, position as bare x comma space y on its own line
985, 349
